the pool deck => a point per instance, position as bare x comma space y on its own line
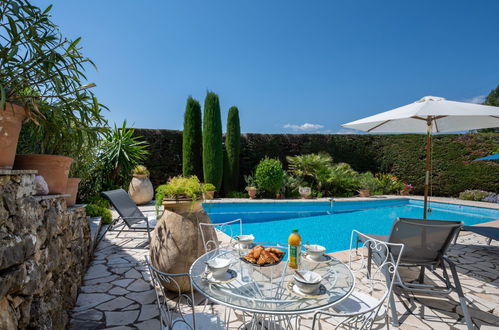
116, 293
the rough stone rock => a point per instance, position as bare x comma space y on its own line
41, 186
44, 252
141, 190
176, 243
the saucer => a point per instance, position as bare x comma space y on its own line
229, 276
293, 288
323, 258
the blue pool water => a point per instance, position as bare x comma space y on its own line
331, 224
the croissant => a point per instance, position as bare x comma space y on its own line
257, 250
274, 250
250, 258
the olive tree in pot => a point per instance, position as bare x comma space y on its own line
40, 72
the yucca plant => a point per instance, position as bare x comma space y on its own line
121, 151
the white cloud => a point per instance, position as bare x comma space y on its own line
307, 127
477, 99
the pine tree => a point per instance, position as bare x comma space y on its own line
232, 148
192, 140
212, 141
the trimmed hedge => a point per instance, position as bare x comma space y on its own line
403, 155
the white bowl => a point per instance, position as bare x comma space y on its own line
311, 282
315, 251
246, 239
218, 267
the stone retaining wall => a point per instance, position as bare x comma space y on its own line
44, 252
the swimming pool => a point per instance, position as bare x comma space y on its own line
330, 224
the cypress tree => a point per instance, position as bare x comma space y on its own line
192, 140
232, 148
212, 141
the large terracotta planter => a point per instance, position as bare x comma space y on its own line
72, 189
140, 189
54, 169
182, 206
176, 243
11, 120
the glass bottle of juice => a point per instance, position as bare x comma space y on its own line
294, 249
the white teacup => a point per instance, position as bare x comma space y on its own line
315, 251
309, 283
245, 240
218, 267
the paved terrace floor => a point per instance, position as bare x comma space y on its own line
116, 293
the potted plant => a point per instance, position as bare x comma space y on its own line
180, 194
406, 189
140, 188
367, 184
305, 192
208, 190
269, 176
250, 186
41, 72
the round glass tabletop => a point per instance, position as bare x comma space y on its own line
270, 290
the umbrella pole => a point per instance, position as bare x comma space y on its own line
427, 177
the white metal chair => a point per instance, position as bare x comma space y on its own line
226, 228
368, 301
170, 304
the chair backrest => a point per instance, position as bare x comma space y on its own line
169, 302
425, 241
374, 278
228, 228
125, 206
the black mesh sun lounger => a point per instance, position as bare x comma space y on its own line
492, 233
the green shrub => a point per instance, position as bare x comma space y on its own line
207, 187
290, 185
388, 184
343, 180
237, 194
93, 210
212, 141
473, 195
269, 175
179, 187
141, 170
314, 169
232, 149
192, 140
368, 181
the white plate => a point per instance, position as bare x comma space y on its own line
324, 258
293, 288
229, 276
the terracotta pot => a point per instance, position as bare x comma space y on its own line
140, 189
72, 189
210, 194
278, 195
11, 120
54, 169
364, 192
252, 192
182, 206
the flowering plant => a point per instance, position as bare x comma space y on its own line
408, 187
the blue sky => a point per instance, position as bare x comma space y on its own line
283, 63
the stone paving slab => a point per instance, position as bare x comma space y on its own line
116, 293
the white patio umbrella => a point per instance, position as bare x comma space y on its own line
429, 115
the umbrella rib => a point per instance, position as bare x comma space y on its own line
386, 121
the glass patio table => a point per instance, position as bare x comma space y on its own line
269, 290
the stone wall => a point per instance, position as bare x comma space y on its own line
44, 251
